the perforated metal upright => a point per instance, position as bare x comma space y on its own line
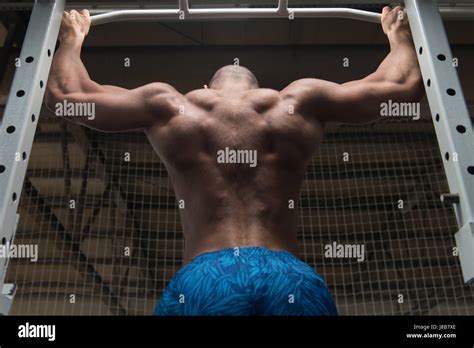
451, 119
18, 126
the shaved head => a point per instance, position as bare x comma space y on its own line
233, 73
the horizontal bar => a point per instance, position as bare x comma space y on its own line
104, 16
233, 13
457, 13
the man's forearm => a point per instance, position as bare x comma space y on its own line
68, 74
400, 66
398, 78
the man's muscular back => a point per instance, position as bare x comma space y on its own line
229, 204
236, 204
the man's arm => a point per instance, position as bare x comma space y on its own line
116, 109
398, 78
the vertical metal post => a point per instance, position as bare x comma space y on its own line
282, 7
183, 8
17, 129
451, 119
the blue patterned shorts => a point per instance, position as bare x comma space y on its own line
246, 281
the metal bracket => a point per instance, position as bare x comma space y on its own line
8, 290
6, 298
449, 199
451, 119
465, 243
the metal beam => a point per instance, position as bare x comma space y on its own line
20, 118
86, 143
68, 244
452, 123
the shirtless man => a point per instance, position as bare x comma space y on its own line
241, 254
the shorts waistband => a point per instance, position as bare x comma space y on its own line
244, 252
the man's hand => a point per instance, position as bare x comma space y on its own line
75, 24
395, 23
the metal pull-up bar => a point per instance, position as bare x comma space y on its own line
234, 13
282, 11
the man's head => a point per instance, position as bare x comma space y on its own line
235, 77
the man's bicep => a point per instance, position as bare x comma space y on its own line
360, 101
116, 109
108, 111
353, 102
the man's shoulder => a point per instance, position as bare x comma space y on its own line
200, 92
264, 96
157, 88
265, 91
